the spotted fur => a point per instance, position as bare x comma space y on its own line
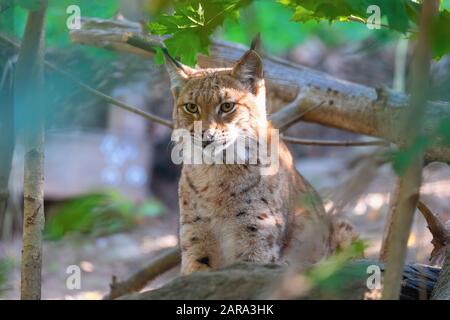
231, 213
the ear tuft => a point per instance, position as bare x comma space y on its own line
249, 69
178, 72
256, 43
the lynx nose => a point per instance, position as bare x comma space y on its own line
208, 137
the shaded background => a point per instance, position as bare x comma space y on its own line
110, 190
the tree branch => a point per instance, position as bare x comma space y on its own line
333, 143
95, 92
348, 106
139, 280
440, 233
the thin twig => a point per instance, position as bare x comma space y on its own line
111, 100
441, 236
333, 143
364, 21
97, 93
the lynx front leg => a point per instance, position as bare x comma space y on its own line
197, 246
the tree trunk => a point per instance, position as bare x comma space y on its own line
30, 100
406, 195
6, 142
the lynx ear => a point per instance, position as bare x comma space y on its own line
178, 73
249, 69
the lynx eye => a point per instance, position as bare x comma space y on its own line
227, 107
191, 108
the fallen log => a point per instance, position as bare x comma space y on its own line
246, 281
442, 287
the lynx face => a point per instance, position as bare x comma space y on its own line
220, 106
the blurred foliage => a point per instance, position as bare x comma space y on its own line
57, 34
444, 131
192, 22
279, 32
396, 11
6, 266
98, 214
336, 274
401, 158
282, 23
445, 4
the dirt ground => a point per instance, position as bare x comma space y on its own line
124, 253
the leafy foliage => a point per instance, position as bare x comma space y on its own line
25, 4
192, 23
98, 214
57, 35
440, 34
396, 11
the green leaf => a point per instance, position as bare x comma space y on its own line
186, 44
334, 10
440, 35
191, 25
159, 57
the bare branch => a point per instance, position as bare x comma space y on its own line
139, 280
111, 100
95, 92
333, 143
441, 235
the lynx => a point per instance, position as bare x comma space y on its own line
233, 212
